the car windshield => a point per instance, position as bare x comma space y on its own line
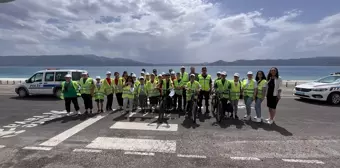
329, 79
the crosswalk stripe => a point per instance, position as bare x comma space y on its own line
130, 144
139, 153
2, 146
303, 161
37, 148
191, 156
87, 150
144, 126
245, 158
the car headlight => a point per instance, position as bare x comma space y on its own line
320, 89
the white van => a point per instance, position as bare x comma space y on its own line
46, 82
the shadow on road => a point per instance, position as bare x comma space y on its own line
74, 117
37, 98
229, 122
315, 102
267, 127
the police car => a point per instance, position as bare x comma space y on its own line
46, 82
323, 89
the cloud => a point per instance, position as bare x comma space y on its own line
161, 31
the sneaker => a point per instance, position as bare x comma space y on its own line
78, 112
246, 117
236, 117
269, 121
258, 120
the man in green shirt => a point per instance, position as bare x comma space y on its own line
70, 94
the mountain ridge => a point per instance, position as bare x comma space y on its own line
94, 60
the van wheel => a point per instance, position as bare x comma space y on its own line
22, 92
334, 98
57, 92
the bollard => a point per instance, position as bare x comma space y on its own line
286, 84
0, 82
295, 83
20, 82
13, 83
7, 82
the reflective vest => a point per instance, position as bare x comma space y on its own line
171, 85
223, 89
178, 84
108, 89
215, 81
260, 89
75, 86
140, 89
85, 88
204, 82
191, 88
152, 88
99, 91
127, 92
249, 88
235, 91
118, 88
185, 77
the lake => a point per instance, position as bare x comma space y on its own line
286, 72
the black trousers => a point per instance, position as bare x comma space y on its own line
184, 98
206, 96
224, 106
87, 101
119, 99
178, 100
68, 101
109, 101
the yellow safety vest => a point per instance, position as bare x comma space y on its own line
204, 82
235, 90
224, 89
99, 92
191, 88
85, 88
127, 92
185, 77
178, 84
248, 89
145, 90
260, 89
152, 88
108, 89
171, 85
118, 88
75, 86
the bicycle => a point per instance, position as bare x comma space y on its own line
163, 102
219, 106
194, 106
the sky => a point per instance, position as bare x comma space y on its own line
172, 31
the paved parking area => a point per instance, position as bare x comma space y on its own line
34, 132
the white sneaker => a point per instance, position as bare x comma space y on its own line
69, 114
246, 117
78, 112
269, 121
258, 120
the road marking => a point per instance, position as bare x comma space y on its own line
130, 144
144, 126
2, 146
140, 153
191, 156
54, 141
87, 150
37, 148
245, 158
303, 161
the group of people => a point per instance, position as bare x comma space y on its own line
178, 90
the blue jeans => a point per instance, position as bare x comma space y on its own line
248, 101
258, 103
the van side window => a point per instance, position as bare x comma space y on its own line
49, 76
60, 76
76, 76
37, 77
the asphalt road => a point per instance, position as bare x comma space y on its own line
35, 133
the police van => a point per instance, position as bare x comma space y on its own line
46, 82
323, 89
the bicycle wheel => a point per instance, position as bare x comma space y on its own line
219, 111
161, 109
194, 110
212, 106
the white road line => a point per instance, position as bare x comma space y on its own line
191, 156
139, 153
144, 126
130, 144
37, 148
2, 146
54, 141
87, 150
303, 161
245, 158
